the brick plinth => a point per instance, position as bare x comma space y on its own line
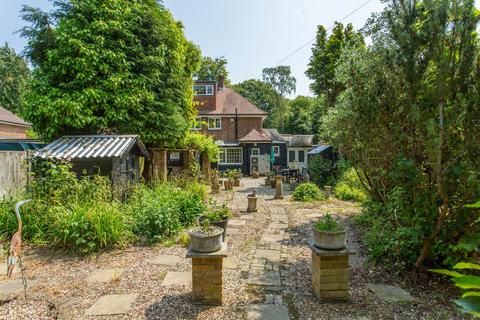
207, 276
330, 273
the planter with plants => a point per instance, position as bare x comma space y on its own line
230, 174
236, 178
217, 217
329, 234
206, 238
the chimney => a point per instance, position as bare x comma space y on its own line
221, 82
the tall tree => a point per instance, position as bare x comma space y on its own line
14, 77
211, 69
282, 81
299, 120
110, 66
326, 54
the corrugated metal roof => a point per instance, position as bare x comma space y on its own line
301, 141
102, 146
319, 149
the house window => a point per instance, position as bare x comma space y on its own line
230, 156
301, 156
255, 151
291, 155
203, 89
174, 155
197, 125
214, 123
276, 151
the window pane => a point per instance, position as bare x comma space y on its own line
291, 156
199, 89
301, 156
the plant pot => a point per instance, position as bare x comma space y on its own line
228, 184
221, 224
330, 240
205, 243
215, 188
236, 182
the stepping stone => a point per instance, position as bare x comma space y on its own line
270, 255
10, 287
232, 231
267, 312
177, 278
263, 278
280, 218
112, 304
166, 260
246, 217
390, 293
104, 275
236, 222
275, 236
230, 263
3, 269
315, 215
278, 226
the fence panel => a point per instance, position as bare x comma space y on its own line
13, 173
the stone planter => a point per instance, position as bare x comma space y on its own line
236, 182
330, 240
221, 224
201, 242
228, 184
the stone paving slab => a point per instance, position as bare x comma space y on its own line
230, 263
11, 287
263, 278
232, 231
104, 275
279, 218
267, 312
3, 269
273, 236
390, 293
236, 222
314, 215
111, 305
277, 226
246, 217
270, 255
179, 278
167, 260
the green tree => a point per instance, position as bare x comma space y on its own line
110, 66
408, 119
211, 69
14, 77
299, 119
326, 54
282, 81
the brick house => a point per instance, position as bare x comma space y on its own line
12, 126
237, 127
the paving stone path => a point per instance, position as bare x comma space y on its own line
264, 280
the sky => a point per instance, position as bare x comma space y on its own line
251, 34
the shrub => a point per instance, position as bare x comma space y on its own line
349, 187
307, 192
161, 210
320, 170
328, 223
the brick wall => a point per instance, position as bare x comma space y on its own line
9, 131
227, 133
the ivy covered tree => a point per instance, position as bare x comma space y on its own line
211, 69
326, 53
106, 66
14, 77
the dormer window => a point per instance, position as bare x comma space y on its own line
203, 89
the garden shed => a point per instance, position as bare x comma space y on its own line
121, 157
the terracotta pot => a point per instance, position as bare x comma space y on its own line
228, 184
201, 242
236, 182
330, 240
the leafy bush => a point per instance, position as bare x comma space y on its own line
328, 223
218, 213
161, 210
470, 300
321, 170
349, 187
307, 192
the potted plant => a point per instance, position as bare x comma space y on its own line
237, 175
255, 174
329, 233
230, 175
205, 238
218, 217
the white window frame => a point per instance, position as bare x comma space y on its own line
224, 156
208, 89
276, 151
175, 155
215, 119
198, 123
257, 153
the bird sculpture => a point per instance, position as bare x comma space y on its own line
14, 254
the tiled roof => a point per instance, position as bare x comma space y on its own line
255, 136
301, 141
102, 146
227, 100
274, 135
9, 118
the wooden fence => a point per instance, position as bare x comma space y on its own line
13, 173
